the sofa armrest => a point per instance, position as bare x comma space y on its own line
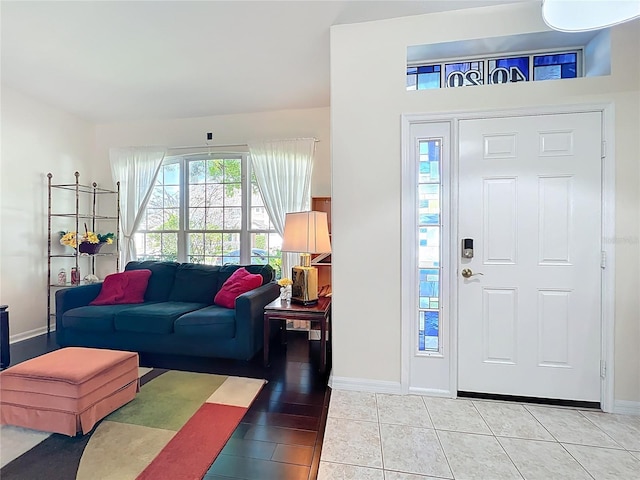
68, 298
250, 314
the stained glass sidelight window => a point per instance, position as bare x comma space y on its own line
429, 232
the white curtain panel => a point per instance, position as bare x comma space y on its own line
136, 168
283, 172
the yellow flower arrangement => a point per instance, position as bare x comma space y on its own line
285, 282
70, 239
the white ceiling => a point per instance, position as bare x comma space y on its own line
123, 60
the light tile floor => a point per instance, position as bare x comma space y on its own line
392, 437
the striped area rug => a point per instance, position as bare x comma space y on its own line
173, 429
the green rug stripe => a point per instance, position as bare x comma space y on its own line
168, 400
112, 442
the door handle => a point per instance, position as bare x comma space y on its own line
467, 273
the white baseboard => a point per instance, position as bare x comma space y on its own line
626, 407
18, 337
364, 385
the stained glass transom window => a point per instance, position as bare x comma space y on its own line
429, 233
495, 70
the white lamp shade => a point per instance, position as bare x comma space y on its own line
584, 15
306, 232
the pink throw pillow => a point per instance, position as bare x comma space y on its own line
124, 287
241, 281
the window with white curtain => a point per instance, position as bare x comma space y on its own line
207, 208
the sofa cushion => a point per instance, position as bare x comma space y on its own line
267, 272
195, 283
212, 321
240, 282
161, 280
153, 317
123, 287
92, 318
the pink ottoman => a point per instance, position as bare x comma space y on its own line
68, 390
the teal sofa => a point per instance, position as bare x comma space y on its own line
178, 315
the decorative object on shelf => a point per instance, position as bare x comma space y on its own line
91, 279
90, 242
62, 277
75, 276
285, 288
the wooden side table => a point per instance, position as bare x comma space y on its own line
283, 310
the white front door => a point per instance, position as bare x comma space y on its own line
530, 199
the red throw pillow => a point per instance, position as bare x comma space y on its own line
241, 281
124, 287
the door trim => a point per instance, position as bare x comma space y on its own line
607, 316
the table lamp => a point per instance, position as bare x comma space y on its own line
307, 233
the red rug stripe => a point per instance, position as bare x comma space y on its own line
193, 449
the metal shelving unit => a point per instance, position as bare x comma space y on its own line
92, 216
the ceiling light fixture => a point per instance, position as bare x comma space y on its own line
584, 15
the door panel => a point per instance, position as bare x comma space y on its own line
530, 197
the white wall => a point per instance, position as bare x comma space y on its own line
227, 129
368, 97
36, 139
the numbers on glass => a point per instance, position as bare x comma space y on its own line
460, 79
502, 75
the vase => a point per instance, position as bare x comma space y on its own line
90, 248
285, 293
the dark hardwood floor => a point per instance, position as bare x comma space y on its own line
280, 437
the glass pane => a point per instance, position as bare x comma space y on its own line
412, 82
429, 287
463, 74
196, 219
508, 70
555, 66
428, 80
215, 171
196, 244
429, 166
214, 219
231, 248
171, 219
550, 72
232, 173
256, 197
215, 194
156, 199
196, 171
259, 218
171, 174
232, 218
172, 196
429, 247
429, 204
232, 195
213, 243
197, 195
154, 218
153, 245
428, 331
170, 246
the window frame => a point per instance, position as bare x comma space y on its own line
245, 231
